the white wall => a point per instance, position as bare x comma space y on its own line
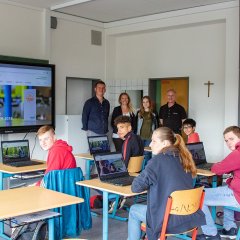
22, 32
74, 56
25, 32
203, 44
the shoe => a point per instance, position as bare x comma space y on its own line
121, 202
111, 206
232, 233
208, 237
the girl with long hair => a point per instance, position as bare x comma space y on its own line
147, 122
171, 169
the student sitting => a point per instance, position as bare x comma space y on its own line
59, 152
132, 145
228, 195
171, 169
189, 126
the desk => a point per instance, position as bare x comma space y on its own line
106, 189
6, 171
20, 201
88, 158
207, 173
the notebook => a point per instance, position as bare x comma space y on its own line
111, 169
98, 144
198, 155
16, 153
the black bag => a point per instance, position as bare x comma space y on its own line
31, 231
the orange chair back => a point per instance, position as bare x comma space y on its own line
135, 164
184, 202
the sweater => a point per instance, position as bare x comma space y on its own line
59, 157
231, 164
163, 175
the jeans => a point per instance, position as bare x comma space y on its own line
220, 196
137, 215
147, 154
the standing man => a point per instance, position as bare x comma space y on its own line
96, 111
59, 152
172, 114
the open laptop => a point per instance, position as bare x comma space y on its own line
111, 169
16, 153
98, 144
198, 155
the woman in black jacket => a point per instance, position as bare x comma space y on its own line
171, 169
125, 109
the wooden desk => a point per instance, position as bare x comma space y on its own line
88, 158
106, 189
20, 201
6, 171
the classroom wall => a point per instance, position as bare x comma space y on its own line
74, 55
25, 32
200, 43
22, 31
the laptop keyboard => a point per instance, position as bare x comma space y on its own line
121, 181
23, 164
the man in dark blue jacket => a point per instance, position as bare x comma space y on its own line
96, 111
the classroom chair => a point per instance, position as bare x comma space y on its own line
74, 217
177, 199
134, 166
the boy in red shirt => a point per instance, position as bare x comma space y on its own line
228, 195
59, 152
189, 126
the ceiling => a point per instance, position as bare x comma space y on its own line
106, 11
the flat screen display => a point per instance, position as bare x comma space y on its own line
27, 96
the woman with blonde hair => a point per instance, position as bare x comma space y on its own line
125, 109
171, 169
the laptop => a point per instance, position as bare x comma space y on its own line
16, 153
98, 144
111, 169
198, 155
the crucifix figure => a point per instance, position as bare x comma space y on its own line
208, 84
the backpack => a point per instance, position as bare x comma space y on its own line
31, 231
96, 202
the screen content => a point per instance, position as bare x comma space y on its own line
26, 97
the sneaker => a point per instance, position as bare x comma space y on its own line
111, 206
232, 233
121, 202
208, 237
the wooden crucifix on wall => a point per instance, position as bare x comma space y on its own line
209, 85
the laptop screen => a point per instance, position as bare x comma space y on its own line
15, 151
98, 144
197, 151
110, 165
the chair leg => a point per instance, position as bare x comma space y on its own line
194, 234
238, 234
